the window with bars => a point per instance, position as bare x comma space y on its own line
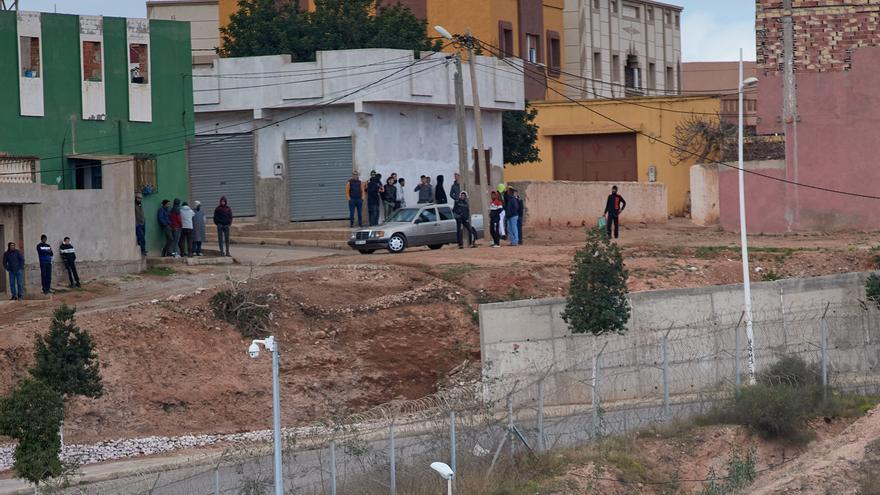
92, 61
145, 177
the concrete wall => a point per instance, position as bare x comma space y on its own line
765, 211
564, 203
100, 223
705, 209
522, 341
203, 16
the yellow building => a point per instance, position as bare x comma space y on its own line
582, 145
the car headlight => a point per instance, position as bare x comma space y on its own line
377, 234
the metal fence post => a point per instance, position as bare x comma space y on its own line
736, 372
510, 424
452, 459
393, 460
595, 390
332, 467
541, 445
666, 373
823, 330
217, 479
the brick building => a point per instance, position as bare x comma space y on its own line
830, 117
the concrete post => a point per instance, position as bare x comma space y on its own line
736, 371
392, 456
333, 467
541, 445
452, 459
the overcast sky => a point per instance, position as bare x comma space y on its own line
711, 29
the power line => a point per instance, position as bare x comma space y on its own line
673, 146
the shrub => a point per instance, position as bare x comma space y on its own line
32, 415
793, 371
740, 473
248, 310
596, 301
773, 411
66, 359
872, 289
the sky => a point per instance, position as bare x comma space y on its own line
712, 30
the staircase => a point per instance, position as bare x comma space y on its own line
330, 234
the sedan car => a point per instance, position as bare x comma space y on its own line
425, 225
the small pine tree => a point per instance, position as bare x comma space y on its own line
596, 301
66, 358
32, 415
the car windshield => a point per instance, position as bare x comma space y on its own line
403, 215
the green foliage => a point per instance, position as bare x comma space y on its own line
65, 357
247, 309
872, 289
519, 134
32, 414
740, 473
160, 271
596, 301
270, 27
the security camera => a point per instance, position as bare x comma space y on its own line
444, 470
254, 350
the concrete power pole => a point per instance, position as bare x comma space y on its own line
478, 193
790, 114
459, 117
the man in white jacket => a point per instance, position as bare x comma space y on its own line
186, 221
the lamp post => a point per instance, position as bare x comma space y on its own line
747, 289
446, 473
254, 351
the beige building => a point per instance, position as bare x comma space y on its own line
618, 48
721, 78
204, 19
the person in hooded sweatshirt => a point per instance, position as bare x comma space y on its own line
44, 253
198, 234
68, 255
440, 192
223, 219
176, 228
13, 262
186, 221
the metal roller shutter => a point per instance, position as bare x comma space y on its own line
223, 165
317, 172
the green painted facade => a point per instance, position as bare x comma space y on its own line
50, 137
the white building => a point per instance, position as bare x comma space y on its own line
618, 48
204, 21
281, 139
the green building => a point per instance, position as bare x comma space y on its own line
79, 89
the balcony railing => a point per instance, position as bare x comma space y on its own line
18, 170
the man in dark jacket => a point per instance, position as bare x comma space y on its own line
13, 262
426, 192
68, 255
462, 213
389, 197
44, 253
140, 225
374, 198
164, 218
455, 190
613, 208
223, 220
354, 193
512, 211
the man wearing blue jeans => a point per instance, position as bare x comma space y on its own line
13, 262
45, 253
354, 192
513, 210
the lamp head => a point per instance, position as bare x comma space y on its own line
444, 470
443, 32
750, 82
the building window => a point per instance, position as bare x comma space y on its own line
632, 11
595, 4
650, 14
532, 42
29, 56
92, 63
615, 68
633, 73
554, 51
613, 6
597, 65
138, 68
677, 21
670, 79
145, 177
505, 38
652, 76
667, 17
87, 173
751, 105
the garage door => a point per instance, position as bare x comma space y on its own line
317, 172
595, 157
223, 165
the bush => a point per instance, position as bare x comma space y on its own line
793, 371
66, 359
32, 415
596, 301
247, 309
872, 289
774, 411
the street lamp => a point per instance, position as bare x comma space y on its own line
747, 289
254, 351
446, 473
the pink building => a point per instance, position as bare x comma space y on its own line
832, 133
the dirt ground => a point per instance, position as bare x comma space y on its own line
355, 330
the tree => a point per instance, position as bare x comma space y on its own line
66, 358
270, 27
596, 301
32, 414
698, 139
519, 133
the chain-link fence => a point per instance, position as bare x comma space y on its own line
618, 384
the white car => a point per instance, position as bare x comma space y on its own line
425, 225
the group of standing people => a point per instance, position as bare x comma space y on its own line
385, 198
13, 263
184, 227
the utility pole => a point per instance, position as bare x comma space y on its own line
790, 114
459, 117
478, 193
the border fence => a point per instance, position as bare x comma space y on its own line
615, 385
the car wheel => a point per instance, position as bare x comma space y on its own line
435, 246
366, 251
397, 243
